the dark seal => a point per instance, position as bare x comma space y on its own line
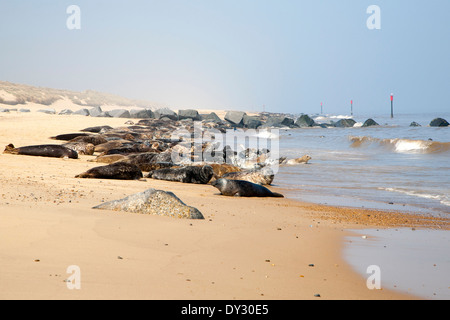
241, 188
118, 170
45, 150
188, 174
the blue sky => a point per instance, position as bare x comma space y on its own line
285, 55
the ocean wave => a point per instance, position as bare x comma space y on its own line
441, 198
402, 145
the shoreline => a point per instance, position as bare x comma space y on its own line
264, 252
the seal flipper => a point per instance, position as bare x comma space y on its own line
277, 195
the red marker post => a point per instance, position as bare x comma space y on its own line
392, 105
351, 106
321, 109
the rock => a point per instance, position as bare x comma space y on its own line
345, 123
235, 118
82, 112
304, 121
414, 124
65, 112
189, 114
95, 112
141, 114
4, 110
120, 113
369, 123
251, 122
24, 110
154, 202
47, 111
279, 122
165, 113
213, 117
439, 122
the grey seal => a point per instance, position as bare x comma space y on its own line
188, 174
45, 150
241, 188
117, 170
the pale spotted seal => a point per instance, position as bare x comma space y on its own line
262, 177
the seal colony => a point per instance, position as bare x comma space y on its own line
148, 149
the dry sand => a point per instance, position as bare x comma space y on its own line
258, 248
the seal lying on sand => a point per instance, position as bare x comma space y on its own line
83, 148
241, 188
262, 177
188, 174
45, 150
118, 170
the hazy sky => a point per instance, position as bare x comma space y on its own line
288, 55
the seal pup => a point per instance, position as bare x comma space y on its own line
263, 177
241, 188
188, 174
117, 170
45, 150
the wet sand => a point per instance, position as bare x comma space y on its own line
252, 248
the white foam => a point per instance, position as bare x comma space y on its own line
404, 145
266, 134
441, 198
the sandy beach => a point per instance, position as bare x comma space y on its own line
252, 248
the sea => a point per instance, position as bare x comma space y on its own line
392, 166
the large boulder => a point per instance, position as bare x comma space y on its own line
279, 122
154, 202
345, 123
235, 118
82, 112
369, 123
120, 113
65, 112
95, 112
165, 113
141, 114
213, 117
305, 121
439, 122
47, 111
189, 114
251, 122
